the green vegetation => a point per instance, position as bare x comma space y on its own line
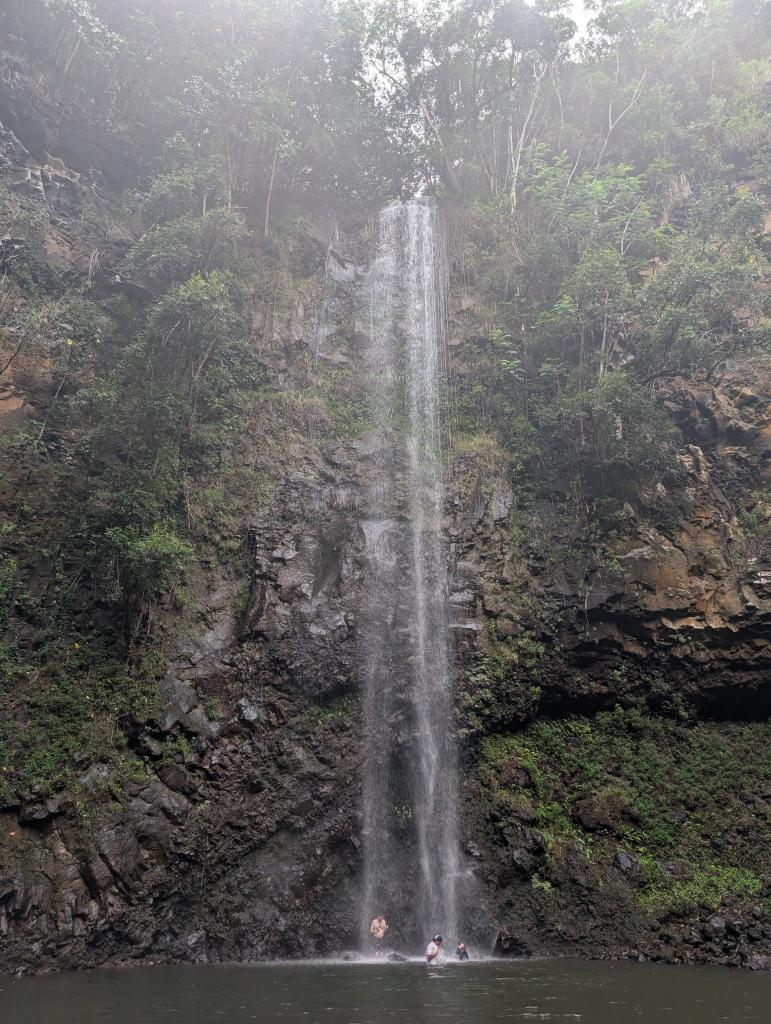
666, 792
330, 407
606, 213
155, 399
77, 701
403, 817
177, 749
612, 241
342, 709
502, 689
752, 546
706, 889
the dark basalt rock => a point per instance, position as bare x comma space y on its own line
759, 963
240, 839
626, 864
243, 843
605, 812
714, 929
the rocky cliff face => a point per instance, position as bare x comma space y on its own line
616, 703
231, 830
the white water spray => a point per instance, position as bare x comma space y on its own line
410, 821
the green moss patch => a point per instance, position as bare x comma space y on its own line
690, 802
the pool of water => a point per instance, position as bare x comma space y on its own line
411, 993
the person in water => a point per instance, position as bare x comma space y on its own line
432, 949
461, 952
378, 930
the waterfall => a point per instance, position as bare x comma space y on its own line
410, 820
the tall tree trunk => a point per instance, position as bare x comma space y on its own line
450, 179
266, 225
515, 151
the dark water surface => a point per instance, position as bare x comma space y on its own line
473, 993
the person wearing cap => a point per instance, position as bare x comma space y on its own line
461, 952
432, 949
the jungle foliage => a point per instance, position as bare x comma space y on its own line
609, 196
686, 801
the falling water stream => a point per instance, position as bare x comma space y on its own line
410, 823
